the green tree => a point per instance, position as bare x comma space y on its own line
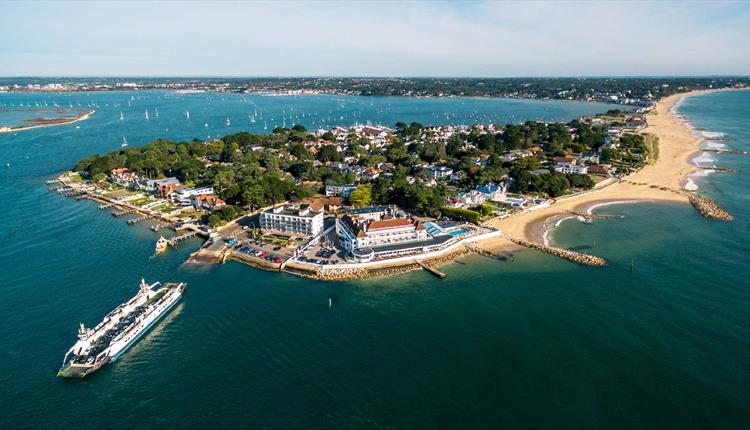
328, 153
361, 197
254, 196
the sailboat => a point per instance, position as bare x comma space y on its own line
122, 118
157, 113
228, 123
124, 142
187, 114
146, 114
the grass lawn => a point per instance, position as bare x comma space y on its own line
141, 201
117, 194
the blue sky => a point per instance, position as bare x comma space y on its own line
374, 38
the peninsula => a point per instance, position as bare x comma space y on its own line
48, 122
351, 202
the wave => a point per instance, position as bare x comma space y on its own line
591, 208
713, 134
693, 179
548, 230
705, 159
712, 144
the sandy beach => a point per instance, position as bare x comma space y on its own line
656, 182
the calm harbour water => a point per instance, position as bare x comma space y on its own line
533, 343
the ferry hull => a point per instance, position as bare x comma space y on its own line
74, 368
77, 371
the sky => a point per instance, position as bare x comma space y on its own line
439, 38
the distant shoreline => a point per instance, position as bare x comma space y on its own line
49, 123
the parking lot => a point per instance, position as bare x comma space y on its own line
326, 251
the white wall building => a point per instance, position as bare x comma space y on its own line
339, 190
355, 233
439, 172
292, 220
571, 168
186, 195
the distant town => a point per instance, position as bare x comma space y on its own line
625, 91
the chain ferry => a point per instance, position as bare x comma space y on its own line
120, 329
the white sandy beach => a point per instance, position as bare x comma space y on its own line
676, 147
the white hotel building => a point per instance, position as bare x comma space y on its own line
368, 238
371, 233
292, 220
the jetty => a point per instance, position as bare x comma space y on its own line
135, 221
431, 269
574, 256
177, 239
709, 208
122, 212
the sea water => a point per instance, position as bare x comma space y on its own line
657, 339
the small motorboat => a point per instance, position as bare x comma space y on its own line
161, 244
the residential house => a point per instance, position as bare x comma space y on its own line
439, 172
600, 169
123, 176
186, 195
152, 185
492, 192
209, 202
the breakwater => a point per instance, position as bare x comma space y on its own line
724, 151
576, 257
709, 208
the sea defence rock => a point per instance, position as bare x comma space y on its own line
709, 208
576, 257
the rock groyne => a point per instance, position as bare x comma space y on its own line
709, 208
576, 257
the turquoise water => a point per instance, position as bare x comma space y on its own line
534, 342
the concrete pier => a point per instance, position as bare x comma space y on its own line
431, 269
175, 240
